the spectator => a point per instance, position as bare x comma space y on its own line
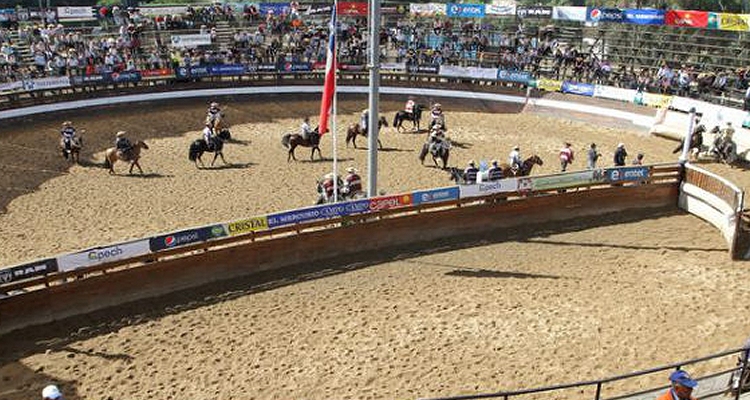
638, 160
566, 156
620, 155
682, 387
495, 173
592, 156
470, 173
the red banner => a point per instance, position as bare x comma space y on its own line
156, 72
695, 19
350, 8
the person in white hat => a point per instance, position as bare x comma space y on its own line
470, 173
51, 392
214, 116
514, 159
363, 119
437, 116
621, 155
352, 183
123, 145
409, 107
68, 133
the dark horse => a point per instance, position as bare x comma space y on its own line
292, 140
414, 117
356, 129
696, 141
440, 150
525, 168
199, 146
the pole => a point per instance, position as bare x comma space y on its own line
333, 113
686, 141
372, 135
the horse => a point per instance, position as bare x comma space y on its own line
725, 149
199, 146
292, 140
414, 117
356, 129
72, 153
441, 150
525, 168
112, 155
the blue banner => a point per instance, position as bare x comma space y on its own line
227, 69
123, 77
423, 69
583, 89
465, 10
596, 14
318, 212
198, 71
188, 236
638, 173
292, 67
514, 76
274, 8
435, 195
643, 17
86, 79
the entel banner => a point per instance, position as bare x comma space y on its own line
695, 19
628, 174
103, 255
185, 237
514, 76
483, 189
643, 16
318, 212
435, 195
465, 10
247, 225
29, 270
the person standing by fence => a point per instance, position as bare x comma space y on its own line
566, 156
682, 387
620, 155
592, 156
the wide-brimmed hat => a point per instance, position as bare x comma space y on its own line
620, 145
351, 170
67, 123
120, 134
215, 105
516, 147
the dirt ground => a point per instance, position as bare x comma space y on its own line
537, 306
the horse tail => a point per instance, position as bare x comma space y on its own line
395, 120
195, 148
285, 140
423, 153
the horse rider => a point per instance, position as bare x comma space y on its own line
470, 173
495, 173
409, 107
123, 145
352, 182
363, 119
437, 115
327, 185
68, 133
437, 135
620, 155
213, 114
305, 130
696, 138
514, 159
208, 135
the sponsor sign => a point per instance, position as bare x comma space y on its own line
583, 89
351, 8
103, 255
350, 67
614, 93
652, 99
168, 10
695, 19
46, 83
227, 69
500, 9
186, 237
561, 181
26, 271
427, 10
507, 185
75, 13
7, 14
388, 202
318, 212
597, 14
11, 86
291, 67
389, 66
734, 22
628, 174
549, 85
534, 12
465, 10
318, 8
125, 76
565, 13
247, 225
468, 72
643, 16
273, 8
87, 79
514, 76
435, 195
423, 69
193, 40
261, 68
157, 73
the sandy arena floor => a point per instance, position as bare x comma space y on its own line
536, 307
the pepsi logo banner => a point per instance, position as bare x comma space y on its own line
186, 237
596, 14
465, 10
695, 19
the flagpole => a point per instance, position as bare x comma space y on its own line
333, 113
372, 142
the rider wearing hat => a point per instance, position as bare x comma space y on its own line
437, 115
470, 173
514, 159
409, 107
352, 182
305, 129
363, 119
495, 173
620, 155
68, 133
123, 145
436, 137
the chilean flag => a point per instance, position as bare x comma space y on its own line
329, 87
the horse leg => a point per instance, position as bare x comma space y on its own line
214, 159
380, 145
137, 164
111, 166
312, 153
221, 154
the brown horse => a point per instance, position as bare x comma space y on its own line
292, 140
525, 168
72, 153
356, 129
112, 155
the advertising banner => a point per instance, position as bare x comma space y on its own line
500, 9
193, 40
7, 14
583, 89
248, 225
388, 202
507, 185
46, 83
514, 76
614, 93
318, 8
26, 271
427, 10
290, 67
227, 69
349, 67
534, 12
103, 255
561, 181
734, 22
570, 13
11, 86
549, 85
465, 10
390, 66
167, 10
123, 77
628, 174
273, 8
652, 99
185, 237
435, 195
87, 79
253, 68
643, 16
597, 14
695, 19
75, 13
423, 69
318, 212
157, 73
468, 72
351, 8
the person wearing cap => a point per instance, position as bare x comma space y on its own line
68, 133
566, 156
620, 155
592, 156
214, 115
123, 145
352, 183
51, 392
409, 107
495, 173
437, 116
470, 173
682, 387
514, 159
363, 119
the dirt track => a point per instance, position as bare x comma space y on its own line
529, 308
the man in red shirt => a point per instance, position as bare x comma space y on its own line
566, 156
682, 387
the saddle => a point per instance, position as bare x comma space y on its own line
125, 154
314, 138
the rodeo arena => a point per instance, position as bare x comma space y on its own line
374, 201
